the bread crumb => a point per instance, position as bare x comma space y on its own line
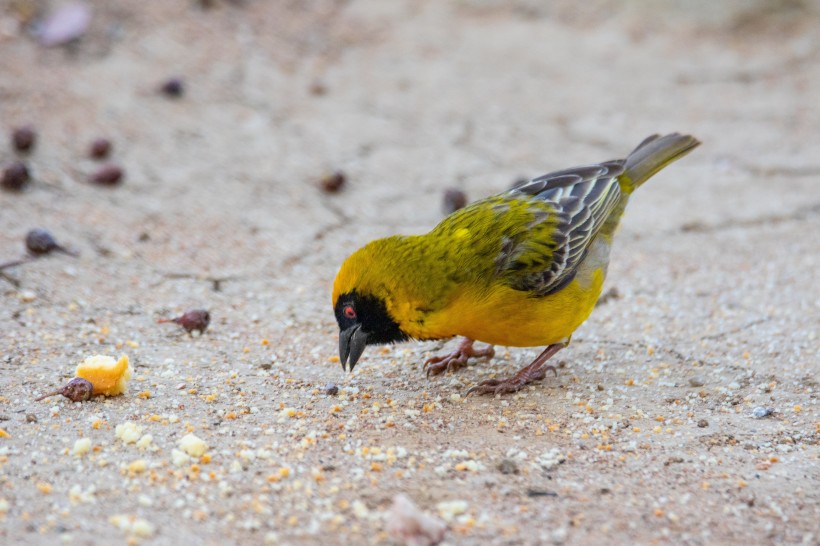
109, 377
193, 445
128, 432
82, 446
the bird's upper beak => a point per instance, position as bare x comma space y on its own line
351, 346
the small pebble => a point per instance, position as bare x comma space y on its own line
173, 88
331, 389
24, 139
508, 466
333, 182
761, 412
108, 175
696, 381
454, 199
65, 24
31, 418
100, 148
15, 177
703, 423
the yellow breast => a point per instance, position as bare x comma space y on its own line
503, 316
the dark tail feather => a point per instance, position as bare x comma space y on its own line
652, 155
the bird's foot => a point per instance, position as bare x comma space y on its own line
457, 359
535, 371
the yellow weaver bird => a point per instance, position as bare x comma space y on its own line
522, 268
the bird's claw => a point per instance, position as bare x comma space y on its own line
457, 359
514, 383
449, 363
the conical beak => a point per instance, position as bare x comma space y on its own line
351, 346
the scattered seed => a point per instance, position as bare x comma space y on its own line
76, 390
331, 389
100, 148
24, 139
15, 177
333, 182
760, 412
454, 199
703, 423
192, 320
31, 418
173, 88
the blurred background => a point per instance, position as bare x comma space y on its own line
229, 155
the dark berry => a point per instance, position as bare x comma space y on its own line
40, 241
454, 199
24, 139
15, 177
173, 88
192, 320
76, 390
100, 148
108, 175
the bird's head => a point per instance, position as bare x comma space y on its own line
361, 301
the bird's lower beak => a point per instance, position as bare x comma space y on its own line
351, 346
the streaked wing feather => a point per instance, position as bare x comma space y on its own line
582, 199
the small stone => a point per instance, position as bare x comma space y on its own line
331, 389
65, 24
703, 423
31, 418
508, 466
696, 381
24, 139
15, 177
761, 412
333, 182
454, 199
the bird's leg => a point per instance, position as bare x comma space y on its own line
457, 359
534, 371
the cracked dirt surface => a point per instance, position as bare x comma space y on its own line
648, 433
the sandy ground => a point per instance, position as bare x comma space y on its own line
646, 436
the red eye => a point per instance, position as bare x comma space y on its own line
350, 312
